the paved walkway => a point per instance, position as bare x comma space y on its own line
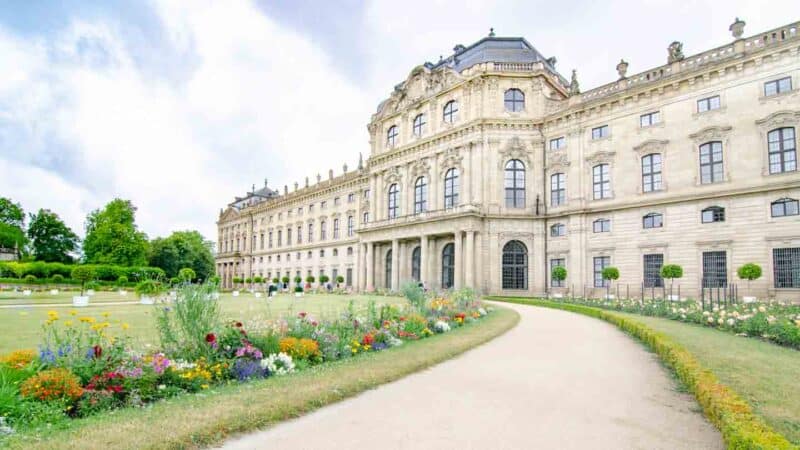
557, 380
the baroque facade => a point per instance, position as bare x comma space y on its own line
488, 168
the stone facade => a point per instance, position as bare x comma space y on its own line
489, 167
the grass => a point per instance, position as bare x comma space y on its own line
764, 374
22, 327
63, 297
202, 420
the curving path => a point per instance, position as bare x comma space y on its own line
557, 380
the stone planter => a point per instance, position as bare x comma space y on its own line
26, 292
53, 291
145, 300
558, 295
298, 294
80, 300
235, 293
258, 294
90, 292
123, 292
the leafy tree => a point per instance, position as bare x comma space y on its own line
610, 273
82, 274
112, 236
182, 249
749, 272
187, 274
559, 273
309, 279
670, 272
339, 279
12, 223
51, 239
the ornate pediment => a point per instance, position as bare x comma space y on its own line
651, 146
418, 169
712, 133
515, 148
391, 176
600, 157
779, 119
450, 158
557, 161
230, 213
421, 83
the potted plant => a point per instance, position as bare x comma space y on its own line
298, 289
285, 281
29, 279
749, 272
57, 279
236, 281
147, 290
609, 274
309, 280
339, 280
214, 280
81, 274
323, 280
670, 272
122, 280
257, 282
558, 273
90, 287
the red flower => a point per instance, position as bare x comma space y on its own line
98, 351
238, 324
367, 339
211, 338
302, 315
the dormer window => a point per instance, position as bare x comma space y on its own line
514, 100
391, 136
419, 125
450, 112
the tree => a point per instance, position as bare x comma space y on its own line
112, 236
670, 272
82, 274
610, 273
749, 272
51, 239
559, 273
12, 223
187, 274
182, 249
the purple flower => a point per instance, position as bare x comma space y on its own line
379, 346
46, 355
247, 369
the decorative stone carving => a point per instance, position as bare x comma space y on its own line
600, 157
360, 161
449, 159
779, 119
306, 181
574, 87
622, 68
391, 176
418, 169
675, 52
514, 149
422, 82
319, 178
557, 161
296, 184
651, 146
330, 174
712, 133
737, 28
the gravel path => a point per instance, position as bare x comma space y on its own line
557, 380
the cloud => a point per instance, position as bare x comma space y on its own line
78, 113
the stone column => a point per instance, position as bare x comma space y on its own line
458, 260
373, 200
401, 257
435, 281
423, 259
467, 181
469, 261
356, 269
395, 265
370, 267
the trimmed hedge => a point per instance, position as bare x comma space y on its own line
734, 417
103, 272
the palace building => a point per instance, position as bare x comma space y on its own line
488, 168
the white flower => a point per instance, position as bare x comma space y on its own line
710, 320
706, 313
721, 321
394, 342
180, 364
161, 387
762, 309
481, 311
278, 364
731, 322
441, 326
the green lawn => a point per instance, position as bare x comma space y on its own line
764, 374
22, 328
63, 297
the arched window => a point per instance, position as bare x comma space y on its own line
450, 112
419, 125
652, 220
388, 275
515, 184
601, 182
558, 189
514, 100
448, 265
323, 230
416, 263
336, 228
712, 214
393, 203
785, 207
420, 195
782, 150
711, 162
651, 172
515, 265
451, 188
391, 136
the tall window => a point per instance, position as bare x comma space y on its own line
393, 203
712, 214
450, 113
715, 269
336, 228
350, 226
388, 272
310, 233
323, 230
419, 125
600, 263
652, 220
711, 162
451, 188
365, 217
270, 239
601, 182
416, 263
708, 104
558, 229
782, 150
515, 184
556, 262
515, 265
651, 172
391, 136
280, 238
448, 265
652, 270
558, 143
601, 226
514, 100
785, 207
649, 119
776, 87
786, 267
600, 132
420, 195
288, 236
299, 234
558, 189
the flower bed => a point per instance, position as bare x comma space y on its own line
86, 365
777, 322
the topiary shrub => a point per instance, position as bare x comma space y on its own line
310, 279
670, 272
148, 288
57, 278
324, 279
559, 273
298, 280
749, 272
82, 274
275, 280
610, 273
122, 280
187, 274
30, 279
339, 279
285, 280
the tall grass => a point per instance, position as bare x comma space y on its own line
184, 324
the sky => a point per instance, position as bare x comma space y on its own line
180, 105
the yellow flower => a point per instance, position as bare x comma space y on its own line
105, 314
68, 323
125, 326
87, 319
73, 312
203, 386
52, 313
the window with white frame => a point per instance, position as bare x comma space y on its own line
418, 127
784, 207
711, 168
649, 119
776, 87
558, 229
558, 143
450, 111
601, 225
782, 150
651, 172
600, 132
391, 136
601, 182
600, 263
558, 189
652, 220
708, 104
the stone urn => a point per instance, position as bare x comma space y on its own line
53, 291
26, 292
235, 293
90, 292
146, 300
79, 301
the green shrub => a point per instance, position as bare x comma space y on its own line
610, 273
323, 279
183, 327
174, 281
414, 293
30, 279
122, 280
299, 280
309, 279
214, 280
285, 280
57, 278
749, 272
671, 271
247, 280
559, 273
257, 280
275, 280
298, 288
187, 274
82, 274
148, 288
340, 279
